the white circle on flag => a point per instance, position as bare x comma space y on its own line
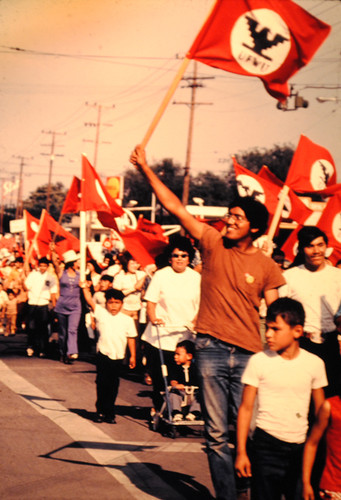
320, 173
286, 207
34, 226
336, 227
101, 193
248, 186
260, 41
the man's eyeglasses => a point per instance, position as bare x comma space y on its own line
235, 217
182, 255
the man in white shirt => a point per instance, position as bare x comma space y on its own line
317, 286
42, 289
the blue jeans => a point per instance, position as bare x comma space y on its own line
220, 367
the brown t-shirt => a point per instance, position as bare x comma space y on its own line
232, 285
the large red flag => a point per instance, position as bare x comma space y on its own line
268, 193
50, 231
270, 39
73, 198
96, 197
146, 243
312, 168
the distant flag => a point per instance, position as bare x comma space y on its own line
31, 226
268, 193
266, 174
290, 245
73, 198
269, 39
145, 242
50, 231
96, 197
312, 168
151, 227
90, 194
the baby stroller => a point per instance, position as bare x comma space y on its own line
162, 420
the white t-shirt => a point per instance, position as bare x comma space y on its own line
126, 282
177, 297
40, 287
320, 294
284, 391
113, 332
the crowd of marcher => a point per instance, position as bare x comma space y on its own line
206, 323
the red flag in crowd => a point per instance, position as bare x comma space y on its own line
151, 227
50, 231
73, 198
267, 192
146, 242
312, 168
90, 194
289, 247
266, 174
330, 223
31, 226
270, 39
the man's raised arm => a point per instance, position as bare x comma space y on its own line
165, 196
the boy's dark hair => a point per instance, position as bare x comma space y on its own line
43, 260
182, 243
124, 259
309, 233
188, 345
305, 236
107, 277
256, 213
290, 310
113, 293
10, 290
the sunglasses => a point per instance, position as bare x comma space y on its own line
182, 255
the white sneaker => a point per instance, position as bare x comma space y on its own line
190, 417
178, 417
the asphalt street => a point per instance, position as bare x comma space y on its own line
52, 449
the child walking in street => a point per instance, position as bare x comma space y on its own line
284, 377
116, 331
10, 313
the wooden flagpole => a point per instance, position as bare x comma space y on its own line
277, 216
165, 101
82, 231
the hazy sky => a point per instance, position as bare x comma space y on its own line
123, 55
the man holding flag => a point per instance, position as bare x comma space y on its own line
235, 275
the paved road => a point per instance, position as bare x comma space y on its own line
51, 448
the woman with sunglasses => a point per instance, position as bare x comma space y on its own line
172, 304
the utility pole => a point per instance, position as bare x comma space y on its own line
52, 156
194, 83
98, 125
19, 209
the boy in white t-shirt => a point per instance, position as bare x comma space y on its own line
284, 377
116, 330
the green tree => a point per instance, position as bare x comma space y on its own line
36, 201
277, 159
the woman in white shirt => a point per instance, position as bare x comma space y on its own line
172, 303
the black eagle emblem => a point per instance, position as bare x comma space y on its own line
261, 39
248, 190
324, 174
